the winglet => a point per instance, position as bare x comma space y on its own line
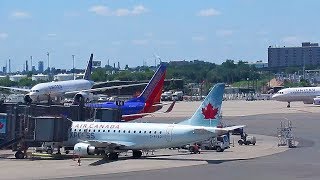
87, 73
170, 107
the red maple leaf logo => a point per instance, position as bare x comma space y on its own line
209, 112
1, 125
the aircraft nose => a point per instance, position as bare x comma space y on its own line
275, 96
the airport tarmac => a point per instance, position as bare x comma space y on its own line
261, 117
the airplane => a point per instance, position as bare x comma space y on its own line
80, 87
111, 138
304, 94
146, 103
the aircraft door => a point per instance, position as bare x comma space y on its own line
169, 133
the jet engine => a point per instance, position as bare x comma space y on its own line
27, 99
84, 149
82, 97
316, 101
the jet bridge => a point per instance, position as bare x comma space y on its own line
23, 126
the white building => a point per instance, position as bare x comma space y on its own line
63, 77
39, 77
3, 77
17, 77
79, 76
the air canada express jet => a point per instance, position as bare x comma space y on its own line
304, 94
147, 102
111, 138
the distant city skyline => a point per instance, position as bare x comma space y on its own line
134, 32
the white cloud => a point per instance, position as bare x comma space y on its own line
198, 38
122, 12
20, 15
224, 32
208, 12
106, 11
100, 10
139, 10
291, 40
3, 35
140, 41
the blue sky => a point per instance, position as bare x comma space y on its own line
133, 31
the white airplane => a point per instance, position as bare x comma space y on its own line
111, 138
304, 94
80, 87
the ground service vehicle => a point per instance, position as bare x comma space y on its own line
219, 143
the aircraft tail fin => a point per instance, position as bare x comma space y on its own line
208, 113
152, 92
87, 73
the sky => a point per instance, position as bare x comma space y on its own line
132, 32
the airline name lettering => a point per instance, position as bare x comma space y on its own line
306, 90
55, 87
97, 126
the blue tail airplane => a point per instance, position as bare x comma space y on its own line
147, 102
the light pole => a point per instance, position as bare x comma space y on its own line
31, 63
304, 63
73, 66
48, 54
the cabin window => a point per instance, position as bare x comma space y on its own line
155, 132
94, 130
129, 131
145, 131
75, 130
104, 130
149, 132
119, 131
140, 132
99, 130
124, 131
114, 131
89, 130
109, 130
79, 130
134, 131
160, 132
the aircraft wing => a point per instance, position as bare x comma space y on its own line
109, 144
227, 129
217, 130
16, 89
106, 88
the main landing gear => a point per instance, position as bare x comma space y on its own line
288, 105
136, 154
19, 155
113, 156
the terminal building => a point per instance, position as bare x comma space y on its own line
307, 54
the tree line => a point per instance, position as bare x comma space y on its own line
190, 71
